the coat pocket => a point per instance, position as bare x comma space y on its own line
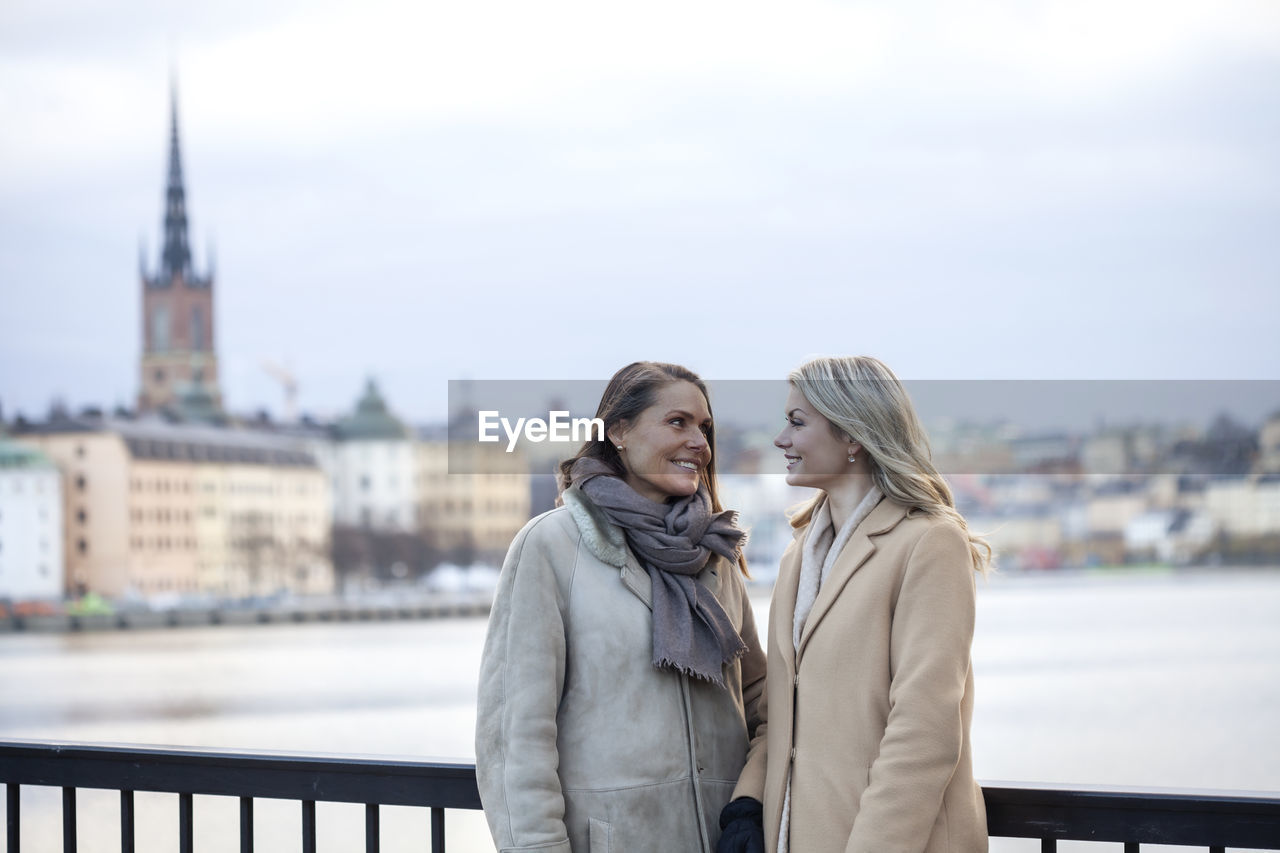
600, 836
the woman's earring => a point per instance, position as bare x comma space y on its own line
619, 446
852, 456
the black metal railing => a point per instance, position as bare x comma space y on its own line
304, 777
1206, 819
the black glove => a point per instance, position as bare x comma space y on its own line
742, 825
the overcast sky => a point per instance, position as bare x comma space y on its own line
494, 190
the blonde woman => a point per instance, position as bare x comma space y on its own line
869, 694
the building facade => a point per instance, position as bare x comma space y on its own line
470, 517
31, 565
156, 508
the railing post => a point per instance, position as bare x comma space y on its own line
186, 824
13, 817
437, 830
372, 835
1048, 845
246, 825
308, 826
1132, 847
126, 822
68, 820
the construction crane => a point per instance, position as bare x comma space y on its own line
288, 382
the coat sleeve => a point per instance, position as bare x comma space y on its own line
522, 675
930, 640
753, 670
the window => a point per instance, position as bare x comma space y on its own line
82, 546
197, 330
160, 333
81, 483
82, 516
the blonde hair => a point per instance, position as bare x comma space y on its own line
865, 403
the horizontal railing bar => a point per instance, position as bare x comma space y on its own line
1152, 816
288, 776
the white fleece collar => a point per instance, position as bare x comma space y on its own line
604, 538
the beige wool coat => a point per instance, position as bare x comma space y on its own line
582, 745
872, 716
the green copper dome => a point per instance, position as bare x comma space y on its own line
372, 420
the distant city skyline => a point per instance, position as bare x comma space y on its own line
426, 193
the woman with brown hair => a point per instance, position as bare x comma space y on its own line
870, 690
622, 669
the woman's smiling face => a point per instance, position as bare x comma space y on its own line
815, 456
665, 449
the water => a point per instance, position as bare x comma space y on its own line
1121, 679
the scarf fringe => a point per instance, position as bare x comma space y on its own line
668, 663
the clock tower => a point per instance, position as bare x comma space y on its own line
178, 356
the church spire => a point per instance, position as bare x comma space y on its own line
175, 258
178, 351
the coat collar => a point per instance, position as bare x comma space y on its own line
855, 553
603, 538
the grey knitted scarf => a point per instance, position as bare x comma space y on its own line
673, 541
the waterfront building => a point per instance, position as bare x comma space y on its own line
178, 354
160, 509
369, 459
468, 516
1174, 536
1025, 536
1245, 506
1269, 446
1114, 503
31, 564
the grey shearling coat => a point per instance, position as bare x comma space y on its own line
581, 743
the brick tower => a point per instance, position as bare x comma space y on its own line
179, 361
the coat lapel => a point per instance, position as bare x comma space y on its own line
636, 579
855, 554
782, 610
